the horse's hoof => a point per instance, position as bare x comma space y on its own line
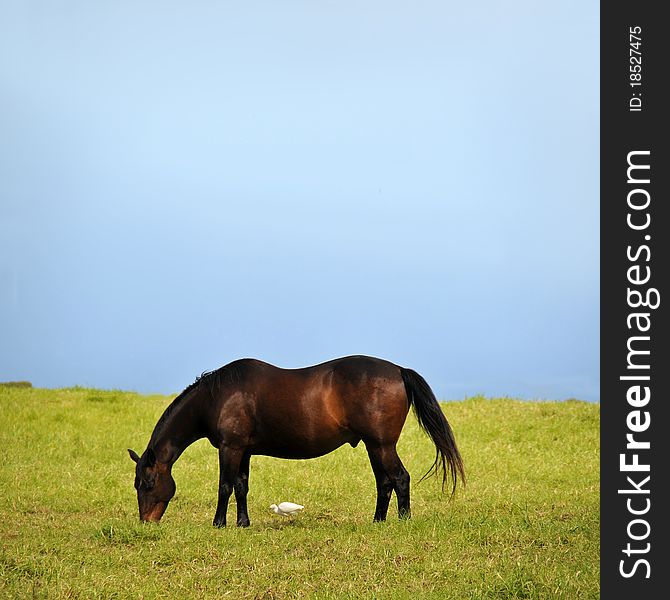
219, 523
243, 523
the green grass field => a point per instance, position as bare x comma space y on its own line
526, 525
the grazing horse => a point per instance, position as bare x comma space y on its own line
251, 407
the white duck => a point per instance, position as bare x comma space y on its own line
286, 509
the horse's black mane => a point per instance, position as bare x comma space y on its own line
229, 373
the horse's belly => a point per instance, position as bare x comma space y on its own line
303, 446
295, 454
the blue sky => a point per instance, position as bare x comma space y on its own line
184, 184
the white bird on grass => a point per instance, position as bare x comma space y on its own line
286, 509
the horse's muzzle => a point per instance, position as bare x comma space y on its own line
155, 513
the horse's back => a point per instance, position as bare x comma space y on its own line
348, 371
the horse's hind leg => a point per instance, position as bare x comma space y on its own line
229, 466
384, 484
390, 474
401, 487
241, 491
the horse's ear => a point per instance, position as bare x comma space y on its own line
151, 457
133, 455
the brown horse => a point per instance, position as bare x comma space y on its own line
250, 407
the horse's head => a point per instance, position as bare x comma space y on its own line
154, 484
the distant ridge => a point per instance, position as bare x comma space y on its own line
16, 384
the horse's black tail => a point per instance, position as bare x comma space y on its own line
434, 423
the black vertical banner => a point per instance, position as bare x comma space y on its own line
635, 358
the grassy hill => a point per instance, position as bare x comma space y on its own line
526, 525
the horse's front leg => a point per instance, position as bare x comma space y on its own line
229, 465
241, 491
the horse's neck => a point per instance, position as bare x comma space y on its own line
178, 428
